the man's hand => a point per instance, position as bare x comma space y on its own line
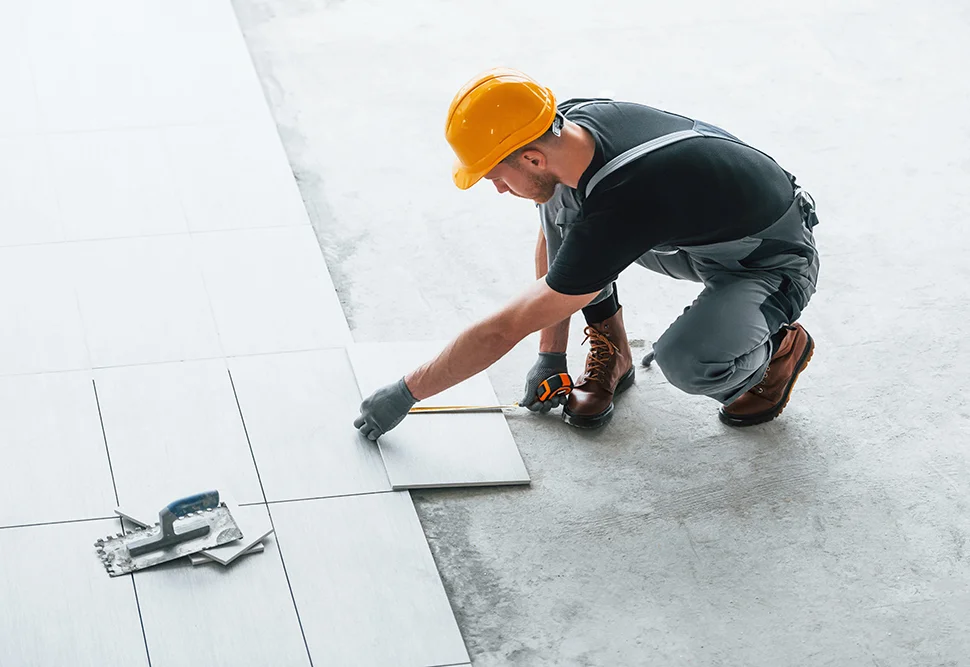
548, 364
384, 409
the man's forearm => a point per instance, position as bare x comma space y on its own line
474, 350
556, 337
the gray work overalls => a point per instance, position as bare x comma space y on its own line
720, 346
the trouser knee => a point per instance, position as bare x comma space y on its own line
681, 366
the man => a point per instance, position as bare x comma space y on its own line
619, 183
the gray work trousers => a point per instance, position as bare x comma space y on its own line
721, 345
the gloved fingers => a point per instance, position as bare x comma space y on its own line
371, 432
562, 399
542, 407
367, 428
528, 398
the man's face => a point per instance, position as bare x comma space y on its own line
524, 179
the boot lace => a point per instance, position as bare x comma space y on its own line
601, 351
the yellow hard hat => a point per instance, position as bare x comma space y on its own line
492, 115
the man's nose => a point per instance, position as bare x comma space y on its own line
501, 186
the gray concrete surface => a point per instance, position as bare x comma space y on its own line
836, 535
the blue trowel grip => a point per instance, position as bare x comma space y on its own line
206, 500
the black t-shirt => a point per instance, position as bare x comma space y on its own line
694, 192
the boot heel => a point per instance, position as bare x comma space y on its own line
626, 381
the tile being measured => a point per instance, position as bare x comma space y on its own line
270, 290
55, 467
439, 449
60, 607
299, 410
174, 430
221, 617
365, 583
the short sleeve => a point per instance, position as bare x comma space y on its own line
596, 250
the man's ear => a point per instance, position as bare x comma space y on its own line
535, 158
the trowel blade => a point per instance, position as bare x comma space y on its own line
117, 560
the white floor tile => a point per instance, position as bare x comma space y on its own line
42, 326
116, 64
299, 410
270, 291
55, 467
174, 430
143, 301
433, 450
365, 583
18, 112
234, 177
114, 184
28, 208
221, 617
60, 607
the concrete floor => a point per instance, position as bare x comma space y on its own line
836, 535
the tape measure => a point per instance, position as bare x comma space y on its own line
556, 385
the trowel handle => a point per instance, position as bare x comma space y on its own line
206, 500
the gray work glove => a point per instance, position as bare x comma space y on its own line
384, 409
548, 365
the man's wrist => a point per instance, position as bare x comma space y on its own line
403, 385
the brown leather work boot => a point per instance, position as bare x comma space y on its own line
609, 371
768, 398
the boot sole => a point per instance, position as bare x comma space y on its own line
768, 415
596, 421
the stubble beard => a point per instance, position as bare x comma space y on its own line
544, 187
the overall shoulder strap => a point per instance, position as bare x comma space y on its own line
636, 152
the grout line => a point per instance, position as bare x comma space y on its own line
141, 619
137, 128
289, 585
279, 547
249, 442
200, 270
156, 235
336, 495
451, 664
319, 348
58, 523
323, 348
104, 436
134, 588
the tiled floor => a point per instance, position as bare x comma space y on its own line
170, 327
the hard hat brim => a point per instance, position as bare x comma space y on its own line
463, 177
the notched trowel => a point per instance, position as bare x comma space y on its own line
184, 527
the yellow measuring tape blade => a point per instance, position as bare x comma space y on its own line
460, 408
